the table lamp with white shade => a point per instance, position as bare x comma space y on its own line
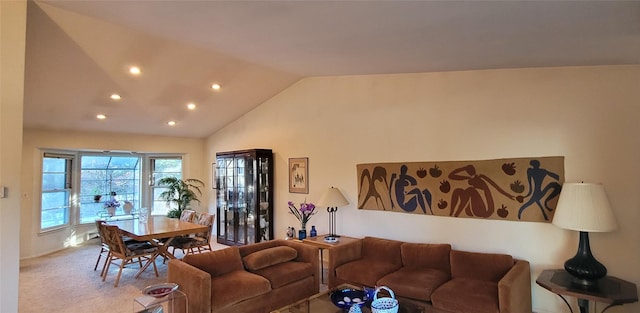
332, 199
584, 207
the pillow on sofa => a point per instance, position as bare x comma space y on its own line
267, 257
217, 262
423, 255
381, 249
481, 266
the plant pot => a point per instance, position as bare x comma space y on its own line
97, 198
127, 207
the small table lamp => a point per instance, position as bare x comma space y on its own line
584, 207
332, 199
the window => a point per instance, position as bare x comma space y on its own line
72, 180
160, 168
56, 190
104, 176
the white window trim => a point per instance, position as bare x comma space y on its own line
74, 214
72, 202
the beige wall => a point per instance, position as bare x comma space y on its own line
13, 17
32, 243
587, 114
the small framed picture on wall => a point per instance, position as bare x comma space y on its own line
299, 175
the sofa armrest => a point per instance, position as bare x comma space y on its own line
342, 254
194, 282
514, 289
308, 254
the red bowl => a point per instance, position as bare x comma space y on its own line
160, 290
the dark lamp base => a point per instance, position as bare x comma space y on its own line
584, 268
584, 283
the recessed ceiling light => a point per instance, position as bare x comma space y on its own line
115, 96
134, 70
191, 106
215, 86
101, 116
171, 123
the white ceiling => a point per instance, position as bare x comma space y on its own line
78, 52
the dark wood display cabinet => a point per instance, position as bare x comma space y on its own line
244, 182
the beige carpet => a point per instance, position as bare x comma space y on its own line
65, 282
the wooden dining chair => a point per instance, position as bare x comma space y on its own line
185, 216
104, 248
199, 241
204, 239
188, 215
125, 254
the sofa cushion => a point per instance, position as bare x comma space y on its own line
481, 266
268, 257
423, 255
382, 249
463, 295
285, 273
414, 283
365, 271
218, 262
236, 286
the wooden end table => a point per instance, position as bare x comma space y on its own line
610, 290
319, 242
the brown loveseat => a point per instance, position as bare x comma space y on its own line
449, 280
255, 278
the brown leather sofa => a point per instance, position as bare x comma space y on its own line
255, 278
448, 280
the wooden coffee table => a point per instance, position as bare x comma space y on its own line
321, 302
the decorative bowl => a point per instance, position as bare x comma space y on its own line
344, 298
160, 290
331, 239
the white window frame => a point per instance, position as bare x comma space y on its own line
105, 197
73, 211
152, 181
69, 186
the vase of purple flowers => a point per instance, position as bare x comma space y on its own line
111, 205
303, 214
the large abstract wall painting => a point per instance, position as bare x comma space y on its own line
519, 189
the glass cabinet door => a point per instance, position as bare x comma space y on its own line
225, 182
249, 230
244, 197
264, 199
241, 205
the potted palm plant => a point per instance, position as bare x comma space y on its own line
180, 192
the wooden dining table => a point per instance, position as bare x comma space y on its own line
159, 231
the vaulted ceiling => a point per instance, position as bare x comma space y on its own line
79, 52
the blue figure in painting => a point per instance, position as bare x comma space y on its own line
535, 177
414, 196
